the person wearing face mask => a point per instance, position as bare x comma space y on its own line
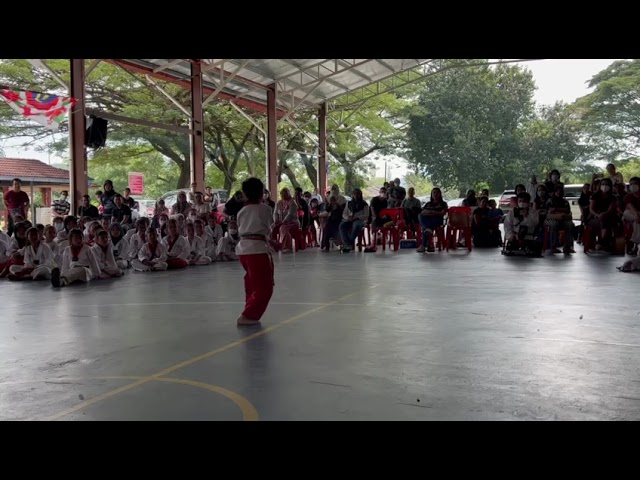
519, 226
58, 224
226, 250
192, 216
163, 218
554, 179
631, 214
513, 203
61, 207
158, 210
540, 202
200, 206
378, 204
412, 208
603, 206
559, 219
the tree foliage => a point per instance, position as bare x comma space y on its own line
611, 113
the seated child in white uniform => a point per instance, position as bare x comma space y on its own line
163, 218
78, 262
63, 235
4, 238
177, 246
137, 239
103, 251
90, 232
197, 255
15, 248
227, 245
152, 256
181, 224
214, 230
120, 246
38, 260
49, 240
209, 243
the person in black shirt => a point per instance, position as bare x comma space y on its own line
432, 217
332, 215
304, 206
583, 203
482, 228
471, 200
107, 198
378, 204
86, 209
603, 208
234, 205
127, 199
121, 213
559, 219
267, 199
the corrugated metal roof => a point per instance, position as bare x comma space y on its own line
299, 83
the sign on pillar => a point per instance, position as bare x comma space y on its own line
136, 183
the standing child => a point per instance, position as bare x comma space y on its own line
152, 256
78, 262
38, 259
254, 227
103, 251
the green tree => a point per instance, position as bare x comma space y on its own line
464, 128
611, 113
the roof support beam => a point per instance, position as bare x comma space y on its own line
93, 65
38, 63
167, 65
223, 83
78, 178
155, 85
272, 141
137, 121
248, 117
196, 137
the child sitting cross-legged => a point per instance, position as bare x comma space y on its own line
78, 262
38, 259
152, 256
197, 255
103, 251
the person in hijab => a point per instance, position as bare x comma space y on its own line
285, 219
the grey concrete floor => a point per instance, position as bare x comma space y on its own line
393, 336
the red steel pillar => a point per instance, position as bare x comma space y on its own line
46, 196
79, 181
322, 150
197, 127
272, 145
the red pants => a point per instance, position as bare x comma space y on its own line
258, 284
175, 263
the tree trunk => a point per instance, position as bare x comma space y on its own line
185, 175
349, 178
312, 172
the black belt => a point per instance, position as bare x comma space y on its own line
255, 237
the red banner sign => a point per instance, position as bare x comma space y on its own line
136, 183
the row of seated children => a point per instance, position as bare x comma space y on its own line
108, 251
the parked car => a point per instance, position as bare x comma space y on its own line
146, 208
572, 195
505, 200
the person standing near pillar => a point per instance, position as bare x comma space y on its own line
254, 227
61, 207
17, 203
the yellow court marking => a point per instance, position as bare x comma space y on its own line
204, 356
249, 412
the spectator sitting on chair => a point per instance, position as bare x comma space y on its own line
432, 217
603, 207
304, 206
331, 216
396, 194
559, 218
355, 214
520, 225
513, 202
554, 179
583, 203
631, 212
412, 207
481, 225
378, 204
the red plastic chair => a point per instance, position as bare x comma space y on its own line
459, 223
393, 232
366, 231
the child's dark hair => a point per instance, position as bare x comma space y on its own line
68, 219
152, 231
75, 232
30, 230
524, 196
253, 189
102, 233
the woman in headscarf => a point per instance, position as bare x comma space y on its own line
107, 199
285, 218
354, 217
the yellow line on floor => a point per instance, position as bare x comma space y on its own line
199, 358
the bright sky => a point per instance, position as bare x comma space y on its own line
557, 79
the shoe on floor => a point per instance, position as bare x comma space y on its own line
55, 278
242, 320
431, 249
420, 250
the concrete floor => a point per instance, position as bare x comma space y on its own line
394, 336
